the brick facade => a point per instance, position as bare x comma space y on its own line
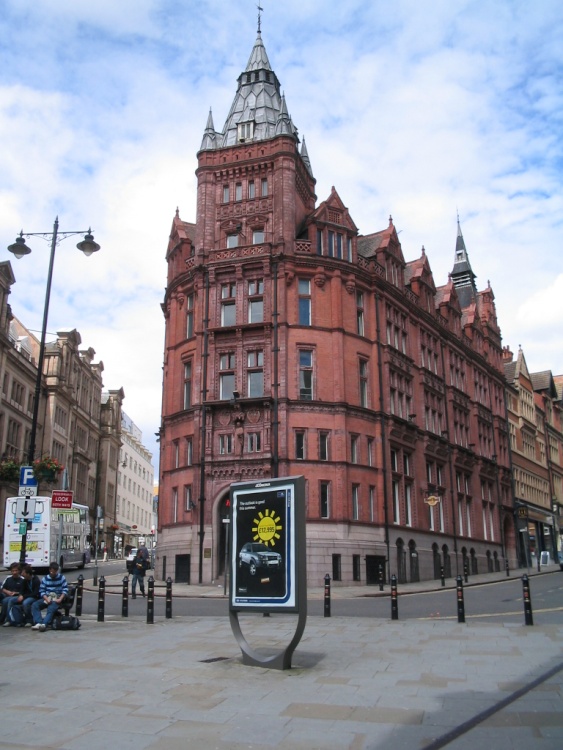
295, 346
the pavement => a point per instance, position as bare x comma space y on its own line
355, 683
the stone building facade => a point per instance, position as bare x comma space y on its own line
295, 345
536, 439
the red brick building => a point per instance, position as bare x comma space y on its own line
295, 346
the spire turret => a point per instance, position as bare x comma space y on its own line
259, 111
462, 273
209, 141
305, 157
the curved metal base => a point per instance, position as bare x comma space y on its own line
277, 661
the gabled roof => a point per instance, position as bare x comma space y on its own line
333, 211
386, 239
543, 381
420, 270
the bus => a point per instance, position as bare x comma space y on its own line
54, 534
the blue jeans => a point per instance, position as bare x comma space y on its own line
36, 608
26, 604
138, 576
7, 603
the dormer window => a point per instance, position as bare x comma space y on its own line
245, 131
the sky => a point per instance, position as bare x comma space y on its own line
422, 111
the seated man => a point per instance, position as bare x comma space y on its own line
11, 589
52, 591
30, 592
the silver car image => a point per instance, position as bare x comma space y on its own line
256, 556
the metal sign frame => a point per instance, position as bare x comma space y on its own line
268, 568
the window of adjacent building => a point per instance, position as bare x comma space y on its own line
253, 442
397, 329
225, 444
304, 287
433, 412
356, 567
395, 492
189, 316
325, 499
226, 375
408, 503
330, 244
255, 373
245, 131
372, 504
225, 194
305, 374
189, 451
400, 395
228, 304
355, 502
176, 448
319, 242
257, 236
337, 567
370, 451
251, 190
360, 313
188, 502
187, 384
354, 441
300, 453
238, 191
323, 446
349, 245
339, 246
363, 368
232, 240
256, 301
264, 187
174, 505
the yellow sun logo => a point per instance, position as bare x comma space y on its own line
267, 527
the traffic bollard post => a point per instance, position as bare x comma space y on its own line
327, 596
466, 572
442, 576
381, 581
79, 594
168, 598
150, 601
125, 597
101, 598
460, 601
528, 616
394, 602
507, 567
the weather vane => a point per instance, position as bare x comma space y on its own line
260, 11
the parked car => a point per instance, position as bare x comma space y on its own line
257, 556
130, 558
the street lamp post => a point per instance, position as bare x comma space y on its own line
19, 249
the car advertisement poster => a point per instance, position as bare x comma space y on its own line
263, 545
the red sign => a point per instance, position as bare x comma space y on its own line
61, 499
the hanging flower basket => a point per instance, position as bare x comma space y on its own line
47, 470
9, 471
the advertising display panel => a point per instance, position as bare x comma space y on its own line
267, 543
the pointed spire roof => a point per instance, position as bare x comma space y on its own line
462, 273
209, 141
305, 157
259, 111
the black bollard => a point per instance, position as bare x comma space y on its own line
460, 601
528, 616
150, 601
168, 598
380, 578
394, 603
101, 599
327, 595
507, 568
125, 597
466, 572
442, 576
79, 593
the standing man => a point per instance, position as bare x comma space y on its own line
52, 592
